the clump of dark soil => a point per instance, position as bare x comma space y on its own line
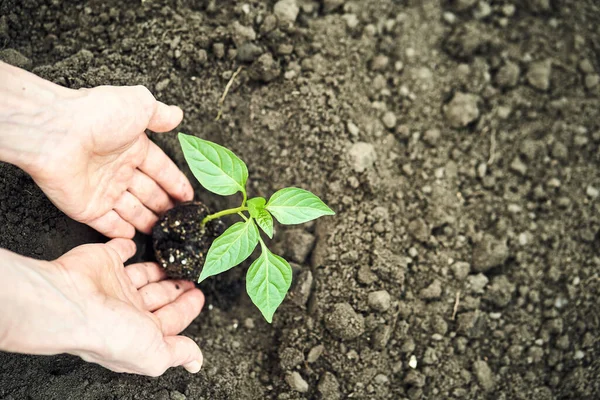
181, 242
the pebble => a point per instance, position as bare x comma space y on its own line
380, 62
591, 81
461, 270
328, 387
365, 275
315, 353
477, 283
302, 286
578, 355
462, 110
242, 34
159, 87
362, 156
353, 130
176, 395
484, 375
483, 10
389, 120
508, 75
344, 323
264, 69
351, 20
381, 379
432, 137
488, 253
518, 166
218, 50
286, 10
592, 192
380, 300
500, 291
539, 73
419, 230
248, 52
432, 292
381, 337
290, 357
296, 382
299, 244
15, 58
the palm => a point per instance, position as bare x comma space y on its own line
105, 172
135, 311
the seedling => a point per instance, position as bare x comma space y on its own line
222, 172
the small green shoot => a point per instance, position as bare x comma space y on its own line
220, 171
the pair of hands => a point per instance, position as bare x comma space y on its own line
88, 152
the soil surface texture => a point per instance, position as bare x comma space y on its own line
457, 140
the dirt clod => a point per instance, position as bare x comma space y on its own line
344, 323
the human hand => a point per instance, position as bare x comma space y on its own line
87, 304
88, 151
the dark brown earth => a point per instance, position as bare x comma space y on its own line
458, 142
181, 242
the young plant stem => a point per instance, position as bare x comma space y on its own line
224, 213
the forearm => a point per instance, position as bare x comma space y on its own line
37, 314
32, 111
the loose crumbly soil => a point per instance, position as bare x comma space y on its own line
458, 141
181, 243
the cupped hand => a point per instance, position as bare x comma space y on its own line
99, 167
132, 314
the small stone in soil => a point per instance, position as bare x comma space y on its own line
362, 156
344, 323
290, 357
432, 292
286, 10
328, 387
488, 253
299, 244
296, 382
461, 270
539, 73
315, 353
380, 300
264, 69
462, 110
484, 375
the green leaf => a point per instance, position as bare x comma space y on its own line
256, 205
231, 248
295, 206
267, 282
265, 221
215, 167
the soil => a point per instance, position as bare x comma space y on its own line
458, 141
181, 242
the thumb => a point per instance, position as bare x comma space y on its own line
184, 351
165, 118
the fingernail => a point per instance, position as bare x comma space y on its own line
193, 367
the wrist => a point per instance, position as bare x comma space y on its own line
33, 114
41, 312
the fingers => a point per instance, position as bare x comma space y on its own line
149, 193
125, 248
164, 171
144, 273
133, 211
112, 225
184, 351
161, 117
165, 118
159, 294
176, 316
